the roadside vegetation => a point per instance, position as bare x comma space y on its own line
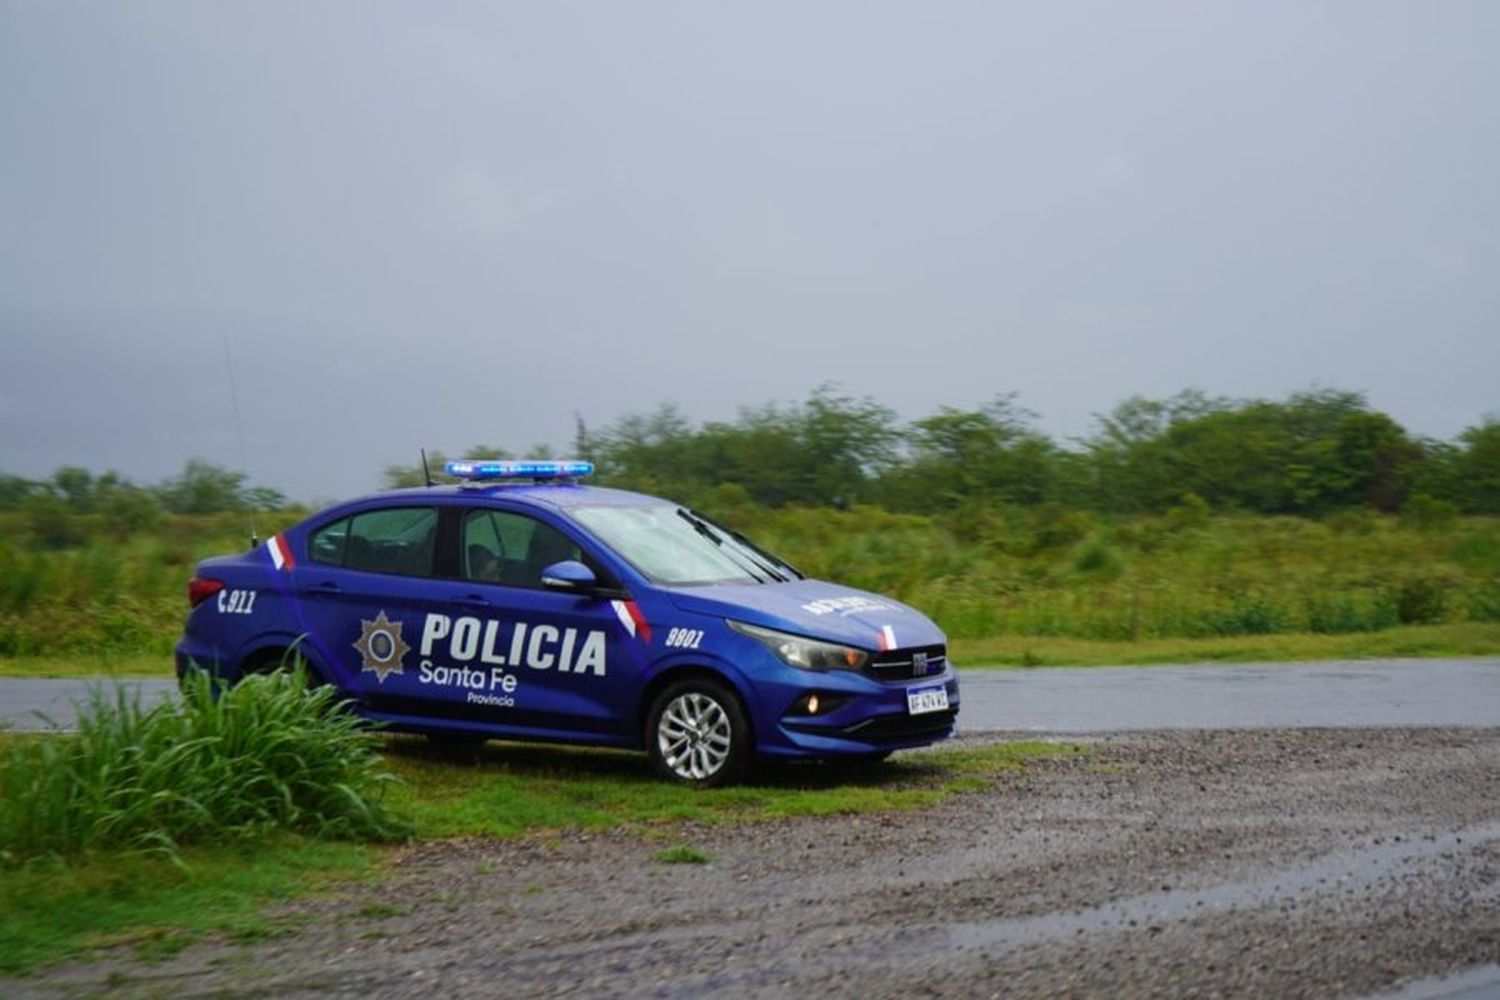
1190, 523
267, 755
1068, 586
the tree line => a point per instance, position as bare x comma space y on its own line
125, 506
1309, 454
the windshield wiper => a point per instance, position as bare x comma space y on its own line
700, 526
743, 547
771, 561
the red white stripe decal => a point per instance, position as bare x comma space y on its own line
630, 616
281, 552
624, 616
887, 638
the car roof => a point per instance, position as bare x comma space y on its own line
559, 495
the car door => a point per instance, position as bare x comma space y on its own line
363, 598
511, 652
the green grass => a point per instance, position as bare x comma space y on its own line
504, 789
1466, 639
76, 665
50, 910
682, 854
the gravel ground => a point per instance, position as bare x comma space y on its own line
1317, 863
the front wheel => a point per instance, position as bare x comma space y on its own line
698, 734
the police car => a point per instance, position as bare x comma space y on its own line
522, 605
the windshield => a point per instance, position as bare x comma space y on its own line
673, 545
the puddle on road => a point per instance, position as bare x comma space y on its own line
1332, 873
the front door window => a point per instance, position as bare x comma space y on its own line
511, 549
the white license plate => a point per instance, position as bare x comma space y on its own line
926, 699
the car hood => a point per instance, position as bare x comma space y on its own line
815, 609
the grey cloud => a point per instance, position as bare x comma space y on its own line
444, 224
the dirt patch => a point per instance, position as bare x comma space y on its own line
1309, 863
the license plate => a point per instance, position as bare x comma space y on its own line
926, 699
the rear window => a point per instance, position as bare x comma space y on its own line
399, 540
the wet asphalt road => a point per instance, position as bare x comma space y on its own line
1356, 694
1339, 694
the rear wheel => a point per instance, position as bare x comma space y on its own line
698, 735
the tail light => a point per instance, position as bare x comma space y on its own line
201, 588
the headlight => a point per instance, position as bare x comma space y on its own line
798, 651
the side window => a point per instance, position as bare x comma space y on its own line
394, 540
327, 543
511, 549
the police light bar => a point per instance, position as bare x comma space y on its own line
474, 471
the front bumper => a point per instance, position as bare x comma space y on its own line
863, 716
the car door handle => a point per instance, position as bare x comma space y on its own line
474, 601
326, 587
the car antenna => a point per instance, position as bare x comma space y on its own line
426, 472
239, 432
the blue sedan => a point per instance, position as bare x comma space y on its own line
524, 605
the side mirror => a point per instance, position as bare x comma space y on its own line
570, 576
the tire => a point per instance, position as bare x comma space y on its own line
698, 735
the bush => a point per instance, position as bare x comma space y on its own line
268, 754
1248, 614
1477, 552
52, 525
1421, 600
1427, 514
1350, 612
1192, 512
1483, 604
1097, 559
1055, 527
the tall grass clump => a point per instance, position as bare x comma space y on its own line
268, 754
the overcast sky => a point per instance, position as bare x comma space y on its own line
450, 224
